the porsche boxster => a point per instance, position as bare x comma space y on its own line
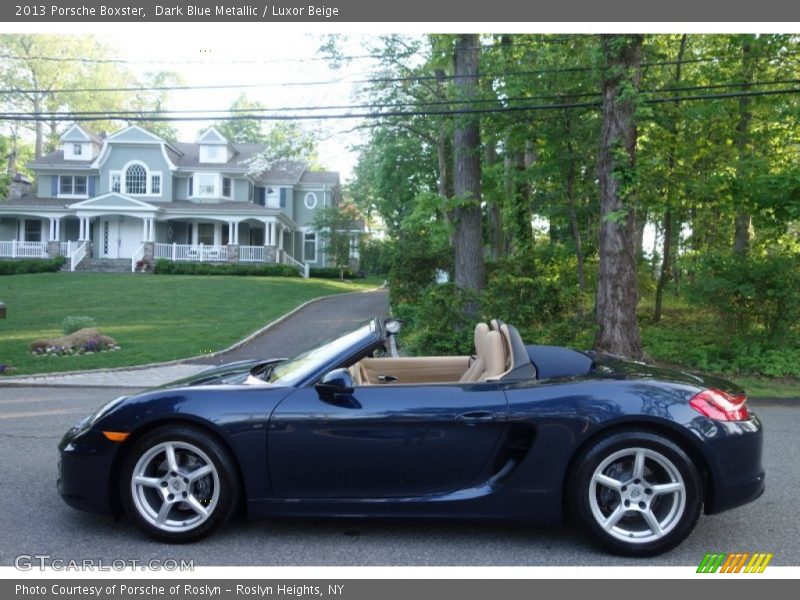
633, 453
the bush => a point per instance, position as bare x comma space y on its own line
330, 273
72, 324
375, 257
167, 267
25, 266
753, 295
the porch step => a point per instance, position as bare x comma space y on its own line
102, 265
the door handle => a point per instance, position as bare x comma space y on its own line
480, 416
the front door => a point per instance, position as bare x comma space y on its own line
390, 441
109, 237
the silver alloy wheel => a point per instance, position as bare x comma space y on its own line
637, 495
175, 486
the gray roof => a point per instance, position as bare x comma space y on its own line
56, 159
190, 155
28, 200
320, 177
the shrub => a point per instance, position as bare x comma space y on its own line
25, 266
167, 267
752, 295
330, 273
72, 324
375, 257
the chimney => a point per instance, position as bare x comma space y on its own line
20, 186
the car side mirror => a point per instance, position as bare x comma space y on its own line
336, 387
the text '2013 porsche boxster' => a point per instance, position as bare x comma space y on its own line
633, 453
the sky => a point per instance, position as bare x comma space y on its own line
231, 58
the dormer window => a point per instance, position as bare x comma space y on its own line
72, 185
77, 149
212, 152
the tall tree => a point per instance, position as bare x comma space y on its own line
617, 294
468, 241
744, 150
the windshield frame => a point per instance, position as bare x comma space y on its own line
328, 355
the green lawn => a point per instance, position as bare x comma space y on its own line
153, 318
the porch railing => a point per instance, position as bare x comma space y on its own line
301, 267
137, 256
77, 255
17, 249
65, 248
251, 253
188, 252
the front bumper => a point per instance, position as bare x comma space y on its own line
734, 456
85, 478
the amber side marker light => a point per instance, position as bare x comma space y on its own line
116, 436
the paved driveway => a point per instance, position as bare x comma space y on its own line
34, 520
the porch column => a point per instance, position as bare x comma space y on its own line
152, 229
236, 233
145, 227
52, 235
81, 228
58, 228
280, 236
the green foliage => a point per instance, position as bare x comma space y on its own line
335, 226
330, 273
71, 324
753, 295
21, 267
375, 256
167, 267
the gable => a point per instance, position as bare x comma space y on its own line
134, 134
113, 200
212, 136
75, 134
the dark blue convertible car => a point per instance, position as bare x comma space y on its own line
631, 452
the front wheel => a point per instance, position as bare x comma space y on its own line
636, 494
178, 484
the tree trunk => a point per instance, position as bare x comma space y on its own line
573, 214
39, 127
742, 223
469, 263
493, 211
617, 293
666, 254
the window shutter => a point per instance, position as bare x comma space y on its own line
92, 185
54, 186
262, 196
283, 197
190, 185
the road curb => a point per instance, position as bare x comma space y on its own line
178, 361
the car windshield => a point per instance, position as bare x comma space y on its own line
296, 369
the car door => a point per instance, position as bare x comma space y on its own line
386, 441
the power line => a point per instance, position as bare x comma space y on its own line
410, 78
398, 113
122, 61
49, 115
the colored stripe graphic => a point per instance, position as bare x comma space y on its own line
735, 562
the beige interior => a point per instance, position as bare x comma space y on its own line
405, 370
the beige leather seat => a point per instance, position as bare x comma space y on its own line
495, 355
478, 366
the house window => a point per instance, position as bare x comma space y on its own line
191, 186
310, 247
206, 184
226, 187
310, 200
205, 234
72, 185
136, 180
155, 184
211, 151
77, 149
116, 182
272, 198
33, 230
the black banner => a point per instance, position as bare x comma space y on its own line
357, 11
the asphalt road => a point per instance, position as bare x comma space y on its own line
34, 520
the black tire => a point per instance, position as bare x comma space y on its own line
636, 533
196, 451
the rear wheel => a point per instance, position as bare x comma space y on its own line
636, 494
178, 484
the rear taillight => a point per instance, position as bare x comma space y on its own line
719, 405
